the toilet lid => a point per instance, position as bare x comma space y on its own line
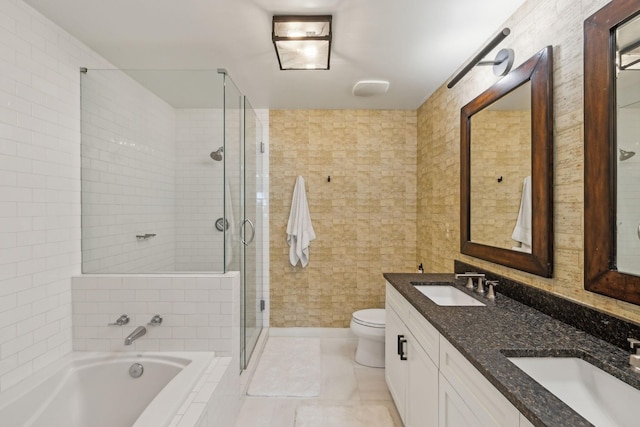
372, 317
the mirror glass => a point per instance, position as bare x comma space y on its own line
628, 144
500, 163
611, 178
506, 169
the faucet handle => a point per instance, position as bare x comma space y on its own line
155, 320
635, 344
491, 283
470, 276
120, 321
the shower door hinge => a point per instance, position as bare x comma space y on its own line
262, 147
262, 305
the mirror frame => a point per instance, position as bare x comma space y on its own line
600, 271
539, 70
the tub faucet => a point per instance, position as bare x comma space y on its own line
137, 333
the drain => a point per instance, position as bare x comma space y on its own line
136, 370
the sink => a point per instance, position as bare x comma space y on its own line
598, 396
448, 295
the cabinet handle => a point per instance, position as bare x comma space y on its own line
400, 338
401, 343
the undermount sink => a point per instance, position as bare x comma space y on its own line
447, 295
598, 396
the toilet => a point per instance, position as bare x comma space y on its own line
368, 325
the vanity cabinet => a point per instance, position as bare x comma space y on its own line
411, 375
432, 383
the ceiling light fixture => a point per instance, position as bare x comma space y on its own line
302, 42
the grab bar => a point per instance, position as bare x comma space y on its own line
253, 232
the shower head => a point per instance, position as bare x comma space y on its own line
624, 155
217, 155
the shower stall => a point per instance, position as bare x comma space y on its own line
171, 176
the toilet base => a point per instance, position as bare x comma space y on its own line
370, 353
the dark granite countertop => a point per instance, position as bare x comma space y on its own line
486, 335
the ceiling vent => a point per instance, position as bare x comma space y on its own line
370, 87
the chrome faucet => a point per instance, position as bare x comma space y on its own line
470, 285
634, 359
490, 293
137, 333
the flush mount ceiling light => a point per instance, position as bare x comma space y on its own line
370, 87
302, 42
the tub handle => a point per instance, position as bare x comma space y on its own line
155, 320
121, 321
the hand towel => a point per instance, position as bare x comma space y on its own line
522, 231
299, 229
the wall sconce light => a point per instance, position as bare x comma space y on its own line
501, 66
302, 42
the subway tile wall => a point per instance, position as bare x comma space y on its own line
39, 187
628, 196
200, 312
128, 176
200, 190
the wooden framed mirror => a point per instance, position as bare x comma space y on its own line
537, 73
609, 34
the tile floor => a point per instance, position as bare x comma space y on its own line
344, 382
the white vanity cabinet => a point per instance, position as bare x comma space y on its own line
436, 385
411, 375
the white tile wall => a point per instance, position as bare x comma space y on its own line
628, 214
128, 176
40, 200
199, 190
198, 312
39, 187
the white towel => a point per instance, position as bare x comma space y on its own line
299, 229
522, 231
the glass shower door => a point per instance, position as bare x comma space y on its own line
251, 234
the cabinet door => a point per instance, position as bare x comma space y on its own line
395, 369
480, 396
452, 411
422, 387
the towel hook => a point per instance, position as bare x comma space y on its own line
500, 178
329, 178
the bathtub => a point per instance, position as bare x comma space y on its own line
97, 390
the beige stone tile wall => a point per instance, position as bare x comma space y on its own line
536, 24
364, 219
500, 160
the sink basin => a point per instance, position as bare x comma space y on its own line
598, 396
448, 295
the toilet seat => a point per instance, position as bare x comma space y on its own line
371, 317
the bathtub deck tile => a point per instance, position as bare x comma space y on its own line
193, 415
175, 421
206, 392
187, 402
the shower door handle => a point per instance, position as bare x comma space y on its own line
253, 232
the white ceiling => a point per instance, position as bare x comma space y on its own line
415, 44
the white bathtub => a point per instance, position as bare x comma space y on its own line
96, 390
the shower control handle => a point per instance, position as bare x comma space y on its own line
253, 232
121, 321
